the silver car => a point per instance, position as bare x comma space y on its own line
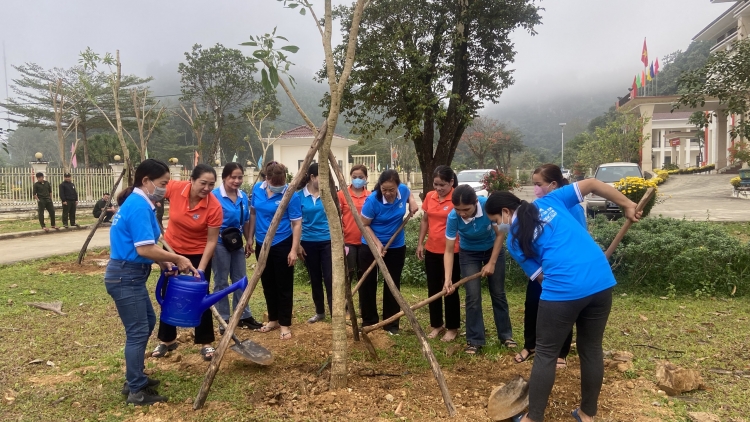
610, 173
474, 179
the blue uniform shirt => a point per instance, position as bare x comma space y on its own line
232, 210
386, 218
265, 208
314, 220
133, 225
574, 265
477, 233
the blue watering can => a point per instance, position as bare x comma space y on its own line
185, 299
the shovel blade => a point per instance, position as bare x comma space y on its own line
508, 400
253, 352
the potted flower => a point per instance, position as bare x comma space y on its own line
496, 181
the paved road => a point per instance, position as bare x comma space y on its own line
701, 197
49, 244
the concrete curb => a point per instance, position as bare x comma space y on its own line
18, 235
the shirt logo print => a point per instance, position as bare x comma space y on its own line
277, 202
196, 216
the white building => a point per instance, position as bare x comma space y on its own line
292, 147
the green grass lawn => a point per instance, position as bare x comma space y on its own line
85, 346
12, 226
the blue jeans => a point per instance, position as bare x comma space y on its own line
126, 283
229, 264
471, 262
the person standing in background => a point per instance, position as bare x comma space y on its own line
352, 236
69, 198
103, 205
43, 196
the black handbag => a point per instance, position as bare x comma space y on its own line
231, 237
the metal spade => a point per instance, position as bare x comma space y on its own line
248, 349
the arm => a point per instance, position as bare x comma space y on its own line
423, 227
35, 190
296, 235
448, 258
208, 251
250, 248
378, 244
413, 207
489, 269
61, 191
158, 254
608, 192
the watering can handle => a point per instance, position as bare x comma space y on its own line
202, 275
159, 284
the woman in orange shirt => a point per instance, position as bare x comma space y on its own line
352, 235
195, 217
437, 205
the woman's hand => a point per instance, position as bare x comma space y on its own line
488, 269
630, 213
249, 249
167, 267
184, 265
420, 252
291, 259
448, 287
381, 248
301, 254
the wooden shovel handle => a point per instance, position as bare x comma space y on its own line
385, 248
624, 229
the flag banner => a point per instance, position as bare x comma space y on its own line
638, 81
634, 89
73, 158
146, 153
260, 162
652, 74
234, 159
649, 76
643, 78
195, 159
644, 54
656, 67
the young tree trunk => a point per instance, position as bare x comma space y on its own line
116, 96
58, 103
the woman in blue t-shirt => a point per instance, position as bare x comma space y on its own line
546, 178
382, 215
226, 263
278, 275
554, 249
133, 238
481, 250
315, 246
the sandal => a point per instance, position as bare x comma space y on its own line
267, 329
46, 230
162, 350
561, 365
206, 351
472, 350
520, 358
510, 343
576, 415
286, 336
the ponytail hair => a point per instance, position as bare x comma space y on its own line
551, 173
312, 170
151, 168
386, 176
446, 174
528, 224
464, 195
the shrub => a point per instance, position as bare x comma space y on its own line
735, 182
663, 255
634, 188
496, 181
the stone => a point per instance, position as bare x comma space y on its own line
675, 380
622, 356
630, 385
703, 417
176, 358
389, 397
624, 366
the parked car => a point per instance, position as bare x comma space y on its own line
474, 179
610, 173
566, 174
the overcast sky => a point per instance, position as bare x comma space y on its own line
580, 42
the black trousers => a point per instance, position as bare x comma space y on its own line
69, 213
352, 261
533, 293
204, 333
394, 261
556, 319
435, 271
108, 216
45, 204
278, 282
319, 265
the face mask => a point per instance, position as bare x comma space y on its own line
158, 193
276, 189
504, 227
359, 183
539, 191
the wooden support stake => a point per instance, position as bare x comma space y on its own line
99, 221
385, 248
418, 305
213, 367
426, 349
641, 204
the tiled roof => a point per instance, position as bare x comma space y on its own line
303, 132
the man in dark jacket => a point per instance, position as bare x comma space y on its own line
69, 198
43, 196
103, 205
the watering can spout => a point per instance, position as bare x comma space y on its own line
212, 298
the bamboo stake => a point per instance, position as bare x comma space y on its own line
213, 367
641, 204
421, 304
99, 221
426, 348
385, 248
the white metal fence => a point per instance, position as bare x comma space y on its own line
17, 184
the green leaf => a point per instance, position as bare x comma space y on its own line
265, 81
261, 54
249, 44
282, 38
293, 5
274, 76
290, 48
303, 11
252, 61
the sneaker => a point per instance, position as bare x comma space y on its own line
315, 318
250, 323
221, 328
145, 397
65, 226
150, 383
75, 225
393, 331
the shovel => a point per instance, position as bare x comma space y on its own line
248, 349
511, 399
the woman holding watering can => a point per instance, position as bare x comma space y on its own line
133, 238
195, 217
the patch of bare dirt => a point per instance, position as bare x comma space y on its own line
50, 380
94, 263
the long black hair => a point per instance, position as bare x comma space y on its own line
386, 176
200, 169
551, 173
464, 195
446, 174
528, 225
229, 168
312, 170
151, 168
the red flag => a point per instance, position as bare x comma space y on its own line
73, 159
644, 54
643, 78
656, 66
195, 160
634, 90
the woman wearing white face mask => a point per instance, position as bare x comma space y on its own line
352, 236
546, 178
